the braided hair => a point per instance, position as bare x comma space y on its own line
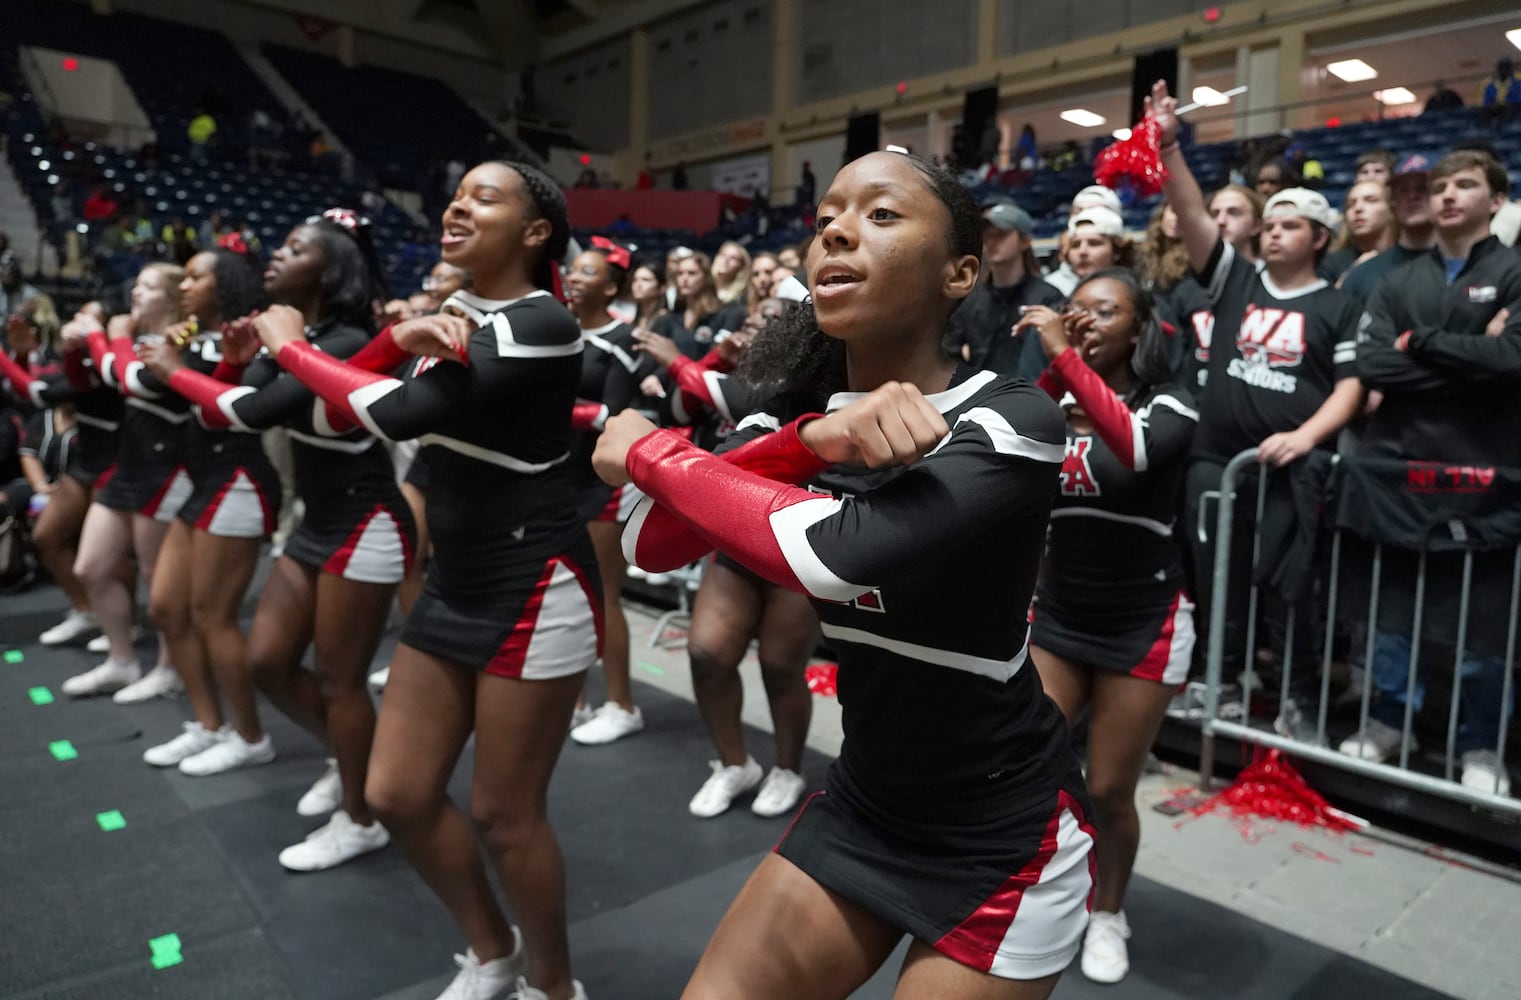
548, 204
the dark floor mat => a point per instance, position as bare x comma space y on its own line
242, 966
647, 882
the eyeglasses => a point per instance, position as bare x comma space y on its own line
1107, 314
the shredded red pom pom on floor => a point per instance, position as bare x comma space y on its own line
1272, 787
821, 678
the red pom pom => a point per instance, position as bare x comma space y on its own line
1138, 159
821, 678
1272, 788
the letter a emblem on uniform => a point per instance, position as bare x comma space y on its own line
1077, 474
871, 601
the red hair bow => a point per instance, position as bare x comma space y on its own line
235, 243
345, 218
1139, 158
616, 255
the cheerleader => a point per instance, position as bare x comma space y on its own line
734, 605
132, 510
1112, 632
96, 411
510, 615
212, 549
611, 371
332, 587
956, 811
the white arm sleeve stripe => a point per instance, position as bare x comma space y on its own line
1007, 441
790, 527
714, 382
225, 403
135, 385
630, 537
363, 398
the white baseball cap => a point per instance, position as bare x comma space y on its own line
1302, 202
1097, 194
1105, 221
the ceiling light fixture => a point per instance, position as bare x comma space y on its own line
1351, 70
1395, 95
1082, 117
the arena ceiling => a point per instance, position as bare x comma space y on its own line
512, 33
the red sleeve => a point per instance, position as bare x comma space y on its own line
688, 375
658, 540
1112, 419
123, 351
99, 349
714, 361
585, 416
75, 371
206, 393
230, 373
329, 378
382, 355
16, 372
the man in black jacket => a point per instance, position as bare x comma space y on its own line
1442, 341
982, 328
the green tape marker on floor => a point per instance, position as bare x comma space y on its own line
166, 951
14, 656
112, 820
40, 696
657, 671
63, 750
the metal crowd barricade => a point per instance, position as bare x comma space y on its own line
1318, 749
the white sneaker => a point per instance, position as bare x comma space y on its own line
1377, 743
491, 980
1106, 959
608, 723
723, 787
1482, 770
340, 840
232, 751
325, 795
378, 678
778, 793
192, 741
162, 681
581, 716
73, 628
526, 992
112, 675
101, 644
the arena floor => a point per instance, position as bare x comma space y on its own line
1219, 908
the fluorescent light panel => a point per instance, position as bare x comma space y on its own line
1396, 95
1351, 70
1515, 37
1121, 134
1082, 117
